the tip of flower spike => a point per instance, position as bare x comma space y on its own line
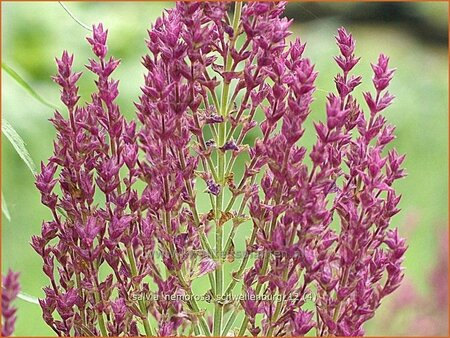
383, 60
99, 33
297, 48
98, 40
11, 280
347, 60
345, 39
342, 33
66, 58
65, 64
382, 73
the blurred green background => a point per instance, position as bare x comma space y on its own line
414, 35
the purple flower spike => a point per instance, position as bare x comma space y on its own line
10, 290
67, 80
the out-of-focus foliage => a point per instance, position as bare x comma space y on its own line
34, 33
419, 18
20, 81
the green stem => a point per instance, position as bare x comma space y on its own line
243, 327
172, 251
142, 307
240, 186
193, 304
213, 132
338, 307
218, 311
98, 300
234, 228
101, 321
196, 330
274, 318
230, 322
241, 267
204, 240
265, 261
78, 280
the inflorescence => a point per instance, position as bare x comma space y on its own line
124, 195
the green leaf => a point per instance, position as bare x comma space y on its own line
28, 298
26, 86
18, 144
5, 210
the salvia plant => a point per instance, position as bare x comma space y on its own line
129, 240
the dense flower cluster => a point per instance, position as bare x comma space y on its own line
126, 219
10, 291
